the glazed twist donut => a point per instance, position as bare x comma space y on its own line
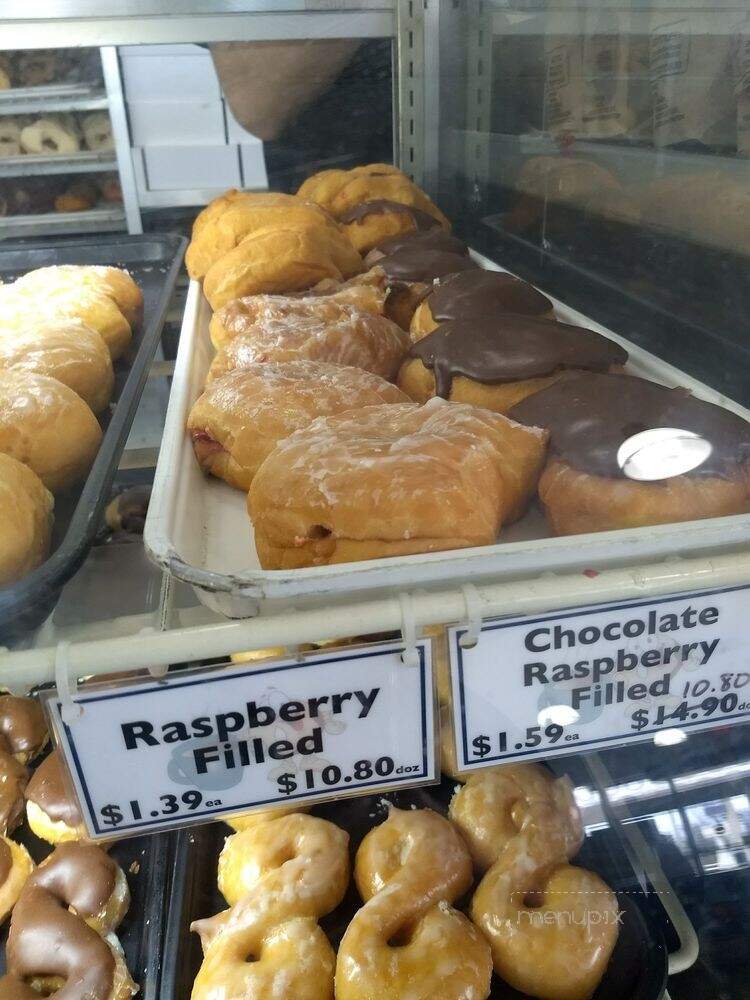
280, 876
407, 940
551, 926
61, 939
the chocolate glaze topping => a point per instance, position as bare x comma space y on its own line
508, 347
22, 724
480, 293
590, 416
52, 790
13, 778
47, 939
434, 239
379, 206
412, 263
6, 861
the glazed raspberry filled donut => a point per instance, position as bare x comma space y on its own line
239, 419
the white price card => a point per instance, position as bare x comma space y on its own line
156, 754
600, 676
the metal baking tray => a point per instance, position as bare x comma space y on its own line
105, 218
53, 97
154, 261
146, 862
31, 165
637, 969
198, 529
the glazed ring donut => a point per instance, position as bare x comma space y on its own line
97, 131
240, 418
49, 137
522, 826
10, 137
15, 867
61, 933
283, 876
52, 810
245, 821
407, 940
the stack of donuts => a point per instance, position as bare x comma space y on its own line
446, 901
61, 329
323, 300
65, 911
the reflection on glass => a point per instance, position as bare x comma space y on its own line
560, 715
670, 737
661, 453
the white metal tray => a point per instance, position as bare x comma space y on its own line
198, 529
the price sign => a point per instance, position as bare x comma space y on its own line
196, 745
600, 676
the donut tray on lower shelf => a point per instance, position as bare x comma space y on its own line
637, 969
146, 862
154, 262
198, 529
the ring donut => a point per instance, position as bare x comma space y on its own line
49, 137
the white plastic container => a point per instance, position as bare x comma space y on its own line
177, 123
253, 161
161, 76
177, 168
198, 529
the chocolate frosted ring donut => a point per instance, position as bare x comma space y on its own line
61, 934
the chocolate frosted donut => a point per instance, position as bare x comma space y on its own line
410, 271
591, 416
62, 927
600, 476
420, 220
23, 731
433, 239
477, 294
51, 806
495, 361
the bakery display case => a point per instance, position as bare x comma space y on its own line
394, 631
